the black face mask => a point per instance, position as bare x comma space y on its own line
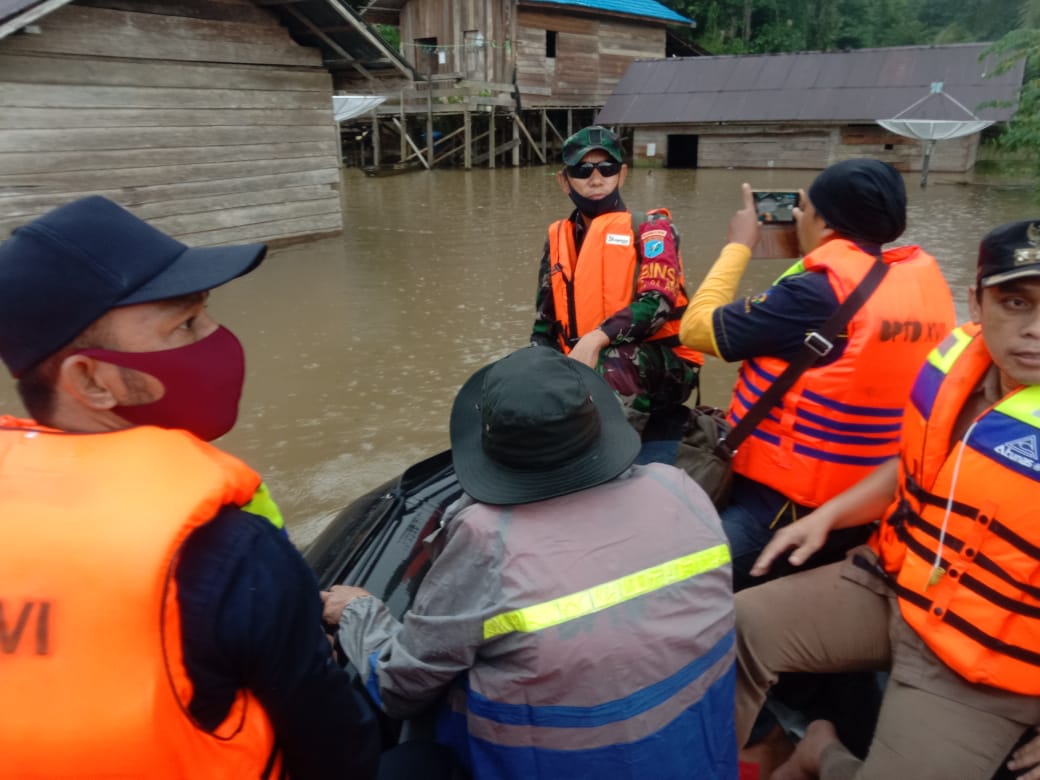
594, 208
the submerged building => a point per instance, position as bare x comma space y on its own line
808, 109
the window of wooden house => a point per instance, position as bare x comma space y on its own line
426, 55
474, 55
550, 44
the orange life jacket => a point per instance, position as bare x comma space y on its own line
841, 420
91, 662
980, 610
591, 285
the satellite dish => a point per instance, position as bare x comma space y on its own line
937, 116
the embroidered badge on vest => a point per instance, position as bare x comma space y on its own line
619, 239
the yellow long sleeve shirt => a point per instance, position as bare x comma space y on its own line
718, 288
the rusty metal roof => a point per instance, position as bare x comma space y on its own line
850, 86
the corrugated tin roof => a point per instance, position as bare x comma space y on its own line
851, 86
337, 29
9, 8
15, 14
333, 26
647, 9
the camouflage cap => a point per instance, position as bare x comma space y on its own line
587, 139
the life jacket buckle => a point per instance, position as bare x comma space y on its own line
723, 450
818, 343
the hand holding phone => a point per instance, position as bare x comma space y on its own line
774, 210
775, 206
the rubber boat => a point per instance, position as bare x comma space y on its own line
376, 543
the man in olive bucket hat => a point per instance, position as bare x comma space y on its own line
578, 614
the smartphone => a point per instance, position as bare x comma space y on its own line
775, 206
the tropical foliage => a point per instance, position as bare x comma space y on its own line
765, 26
1023, 133
760, 26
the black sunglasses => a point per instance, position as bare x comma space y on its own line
584, 170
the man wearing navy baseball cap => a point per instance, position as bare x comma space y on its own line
156, 620
945, 595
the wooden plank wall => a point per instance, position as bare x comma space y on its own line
801, 147
202, 116
751, 148
592, 55
447, 21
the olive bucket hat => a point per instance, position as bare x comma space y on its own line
536, 425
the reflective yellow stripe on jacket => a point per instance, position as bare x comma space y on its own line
606, 595
263, 505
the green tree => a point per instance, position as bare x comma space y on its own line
1023, 132
783, 25
390, 34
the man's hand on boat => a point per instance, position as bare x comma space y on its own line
860, 504
336, 599
805, 536
1027, 757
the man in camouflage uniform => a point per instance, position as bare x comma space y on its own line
617, 310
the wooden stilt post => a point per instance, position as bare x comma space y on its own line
467, 124
417, 151
570, 122
376, 146
429, 123
404, 130
928, 147
339, 145
545, 130
516, 141
491, 139
518, 127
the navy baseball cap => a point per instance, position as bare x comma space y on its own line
64, 270
1011, 251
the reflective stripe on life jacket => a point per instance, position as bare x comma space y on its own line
980, 610
841, 420
91, 659
594, 284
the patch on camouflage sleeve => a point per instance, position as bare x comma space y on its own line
652, 248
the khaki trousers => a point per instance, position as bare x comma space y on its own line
818, 621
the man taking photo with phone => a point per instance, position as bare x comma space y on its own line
841, 417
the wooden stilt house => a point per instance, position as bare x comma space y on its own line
206, 117
807, 109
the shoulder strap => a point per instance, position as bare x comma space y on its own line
636, 222
817, 344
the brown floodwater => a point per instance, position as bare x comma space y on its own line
357, 344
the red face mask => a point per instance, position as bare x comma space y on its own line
203, 384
